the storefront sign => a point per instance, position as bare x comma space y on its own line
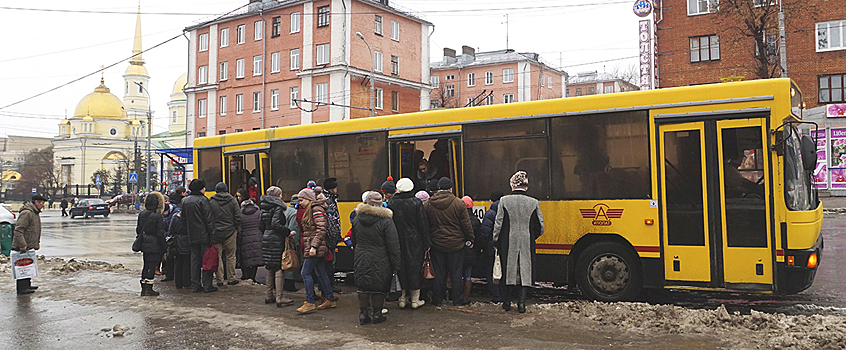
837, 158
837, 110
642, 8
821, 172
645, 39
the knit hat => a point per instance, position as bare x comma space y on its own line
444, 183
307, 194
389, 187
496, 195
196, 186
468, 202
520, 180
311, 184
405, 185
373, 198
330, 183
422, 195
295, 198
364, 196
221, 187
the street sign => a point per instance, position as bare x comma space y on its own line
97, 182
133, 178
33, 190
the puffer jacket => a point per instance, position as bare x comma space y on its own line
250, 234
150, 225
227, 216
449, 222
413, 232
274, 231
485, 239
179, 232
198, 219
376, 247
314, 235
28, 228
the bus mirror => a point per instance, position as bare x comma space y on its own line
809, 153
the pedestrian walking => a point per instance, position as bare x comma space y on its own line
182, 256
27, 236
150, 228
169, 213
199, 223
412, 227
64, 206
227, 219
250, 239
485, 242
470, 253
450, 231
518, 224
377, 256
291, 222
313, 224
274, 233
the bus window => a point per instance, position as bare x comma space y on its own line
601, 156
359, 162
684, 199
242, 168
743, 176
209, 160
295, 162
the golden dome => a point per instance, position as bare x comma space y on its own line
64, 122
135, 122
177, 86
100, 104
136, 69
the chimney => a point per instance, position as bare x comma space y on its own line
384, 2
254, 5
467, 50
449, 52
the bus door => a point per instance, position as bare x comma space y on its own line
424, 159
244, 166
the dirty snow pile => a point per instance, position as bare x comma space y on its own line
774, 331
61, 267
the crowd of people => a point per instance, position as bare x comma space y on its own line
397, 232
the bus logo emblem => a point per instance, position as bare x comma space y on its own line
601, 214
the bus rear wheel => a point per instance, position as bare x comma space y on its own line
608, 271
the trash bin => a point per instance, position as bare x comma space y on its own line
6, 232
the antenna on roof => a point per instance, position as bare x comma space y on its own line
506, 31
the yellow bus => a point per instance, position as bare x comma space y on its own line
702, 187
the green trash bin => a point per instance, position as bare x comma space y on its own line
6, 232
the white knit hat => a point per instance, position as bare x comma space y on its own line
405, 185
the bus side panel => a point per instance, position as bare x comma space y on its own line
552, 268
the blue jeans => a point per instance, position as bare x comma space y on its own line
317, 266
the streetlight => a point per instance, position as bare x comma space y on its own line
372, 83
149, 130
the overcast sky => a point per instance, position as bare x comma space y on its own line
42, 50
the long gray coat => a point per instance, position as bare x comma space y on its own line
519, 223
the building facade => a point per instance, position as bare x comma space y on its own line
494, 77
248, 70
594, 83
699, 42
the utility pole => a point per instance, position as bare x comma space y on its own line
506, 31
149, 131
782, 42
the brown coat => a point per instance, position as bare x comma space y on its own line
314, 235
449, 222
28, 228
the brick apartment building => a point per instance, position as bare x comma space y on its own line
486, 78
246, 69
698, 43
594, 83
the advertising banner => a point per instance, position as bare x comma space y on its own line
645, 48
821, 172
837, 158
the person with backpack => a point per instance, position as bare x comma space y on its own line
150, 229
274, 233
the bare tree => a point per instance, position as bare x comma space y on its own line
629, 74
40, 171
442, 98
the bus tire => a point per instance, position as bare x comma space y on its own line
609, 271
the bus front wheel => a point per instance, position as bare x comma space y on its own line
608, 271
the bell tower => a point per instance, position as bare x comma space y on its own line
136, 80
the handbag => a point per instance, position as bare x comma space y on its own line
290, 258
428, 271
497, 268
139, 239
210, 259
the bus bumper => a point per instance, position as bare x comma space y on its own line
799, 277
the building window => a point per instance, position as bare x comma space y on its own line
378, 98
239, 103
274, 99
378, 23
276, 26
274, 62
201, 134
224, 37
489, 100
489, 77
259, 30
221, 132
549, 81
395, 30
256, 102
508, 98
224, 71
578, 91
435, 81
295, 95
204, 42
322, 54
239, 130
322, 92
377, 61
832, 88
257, 65
698, 7
323, 16
591, 90
831, 35
222, 106
295, 59
542, 79
434, 104
704, 48
395, 101
239, 68
449, 77
202, 109
173, 117
449, 91
394, 65
203, 75
609, 89
295, 22
242, 35
471, 79
508, 75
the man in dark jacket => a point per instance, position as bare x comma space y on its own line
64, 206
27, 235
485, 239
177, 196
198, 222
450, 231
227, 219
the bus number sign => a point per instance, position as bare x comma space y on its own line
601, 214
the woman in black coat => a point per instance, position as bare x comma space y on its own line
182, 258
150, 227
274, 232
377, 255
250, 239
413, 232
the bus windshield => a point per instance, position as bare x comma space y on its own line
797, 183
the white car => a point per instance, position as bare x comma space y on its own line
6, 216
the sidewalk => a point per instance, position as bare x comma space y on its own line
833, 202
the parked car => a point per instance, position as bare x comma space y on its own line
90, 207
126, 198
7, 216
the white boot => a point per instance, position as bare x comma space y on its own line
415, 299
403, 300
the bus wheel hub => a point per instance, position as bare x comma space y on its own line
609, 274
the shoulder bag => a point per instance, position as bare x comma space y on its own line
290, 256
139, 239
428, 271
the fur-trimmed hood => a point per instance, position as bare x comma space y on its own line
158, 204
368, 214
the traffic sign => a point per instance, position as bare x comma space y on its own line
98, 183
33, 190
133, 178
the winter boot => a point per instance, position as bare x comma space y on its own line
378, 312
363, 315
506, 297
284, 301
147, 289
521, 301
415, 299
403, 300
307, 308
468, 285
